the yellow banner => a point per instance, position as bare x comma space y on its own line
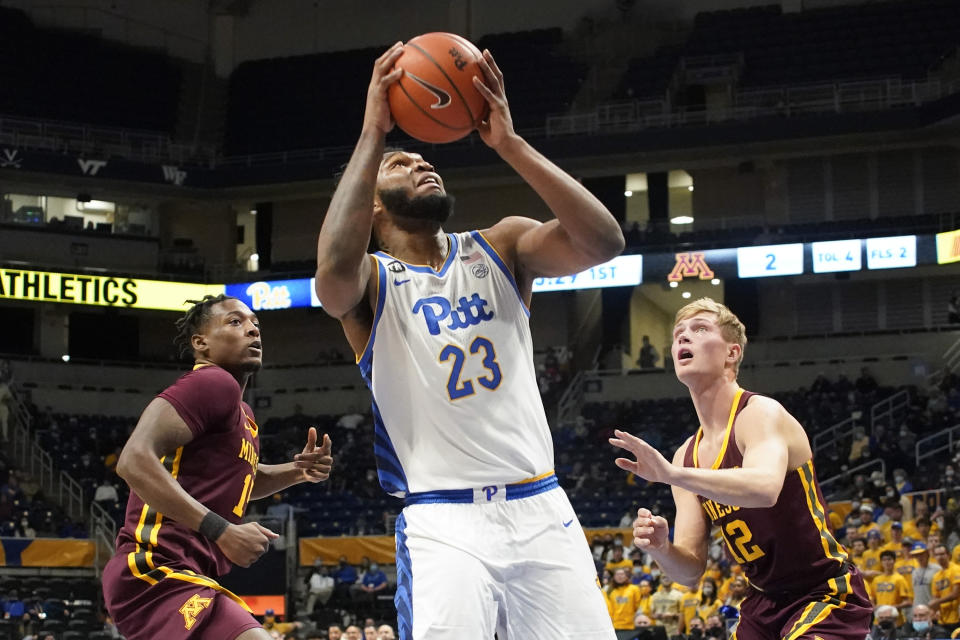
382, 549
46, 552
104, 291
948, 247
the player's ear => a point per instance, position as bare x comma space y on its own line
199, 343
733, 352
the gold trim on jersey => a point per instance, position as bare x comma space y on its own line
726, 435
376, 296
148, 529
831, 548
535, 478
250, 421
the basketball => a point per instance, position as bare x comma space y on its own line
435, 100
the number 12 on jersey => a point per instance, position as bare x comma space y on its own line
457, 389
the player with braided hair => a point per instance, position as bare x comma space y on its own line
192, 464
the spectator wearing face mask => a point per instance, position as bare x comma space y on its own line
921, 625
901, 481
709, 603
695, 628
885, 627
374, 581
715, 627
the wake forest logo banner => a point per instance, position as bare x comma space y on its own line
104, 291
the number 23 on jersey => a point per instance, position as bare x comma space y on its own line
480, 348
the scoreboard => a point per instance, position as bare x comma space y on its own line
765, 261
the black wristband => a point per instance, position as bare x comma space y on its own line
212, 526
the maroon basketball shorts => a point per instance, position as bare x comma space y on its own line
837, 610
149, 597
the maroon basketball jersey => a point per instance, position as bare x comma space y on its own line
786, 547
217, 468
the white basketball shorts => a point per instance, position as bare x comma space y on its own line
511, 560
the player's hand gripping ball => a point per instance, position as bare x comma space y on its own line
435, 99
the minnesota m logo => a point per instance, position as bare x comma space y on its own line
192, 608
689, 265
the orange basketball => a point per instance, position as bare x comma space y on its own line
435, 100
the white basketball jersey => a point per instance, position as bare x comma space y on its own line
450, 364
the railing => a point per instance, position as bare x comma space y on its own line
937, 442
951, 357
838, 97
885, 411
832, 434
133, 144
880, 411
31, 457
935, 498
103, 532
568, 407
876, 463
617, 117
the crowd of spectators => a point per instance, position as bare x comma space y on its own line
352, 503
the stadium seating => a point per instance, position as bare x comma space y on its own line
882, 39
58, 75
272, 109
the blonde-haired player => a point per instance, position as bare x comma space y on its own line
749, 471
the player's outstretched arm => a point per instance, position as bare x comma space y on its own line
684, 559
343, 270
313, 464
584, 232
756, 484
160, 432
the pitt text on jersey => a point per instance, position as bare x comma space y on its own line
436, 309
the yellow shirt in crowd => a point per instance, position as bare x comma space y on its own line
688, 608
890, 589
943, 582
622, 604
871, 560
905, 567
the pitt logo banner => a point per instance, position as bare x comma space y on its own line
689, 265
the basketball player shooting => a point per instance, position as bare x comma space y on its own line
487, 541
749, 471
192, 464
